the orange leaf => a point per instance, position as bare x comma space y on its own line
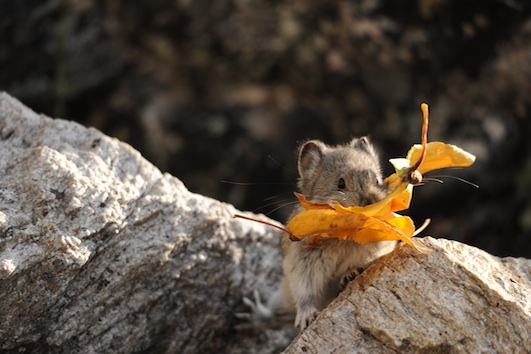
378, 222
308, 206
403, 200
403, 223
440, 155
321, 224
395, 201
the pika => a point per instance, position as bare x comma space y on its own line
351, 175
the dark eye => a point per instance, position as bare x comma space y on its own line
377, 179
380, 184
341, 184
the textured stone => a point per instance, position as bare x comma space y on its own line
459, 299
101, 252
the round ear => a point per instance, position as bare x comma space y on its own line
363, 144
360, 143
310, 153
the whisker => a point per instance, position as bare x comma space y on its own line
275, 161
453, 168
275, 203
459, 179
282, 206
256, 183
279, 164
431, 179
277, 196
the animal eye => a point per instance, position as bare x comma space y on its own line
341, 184
376, 178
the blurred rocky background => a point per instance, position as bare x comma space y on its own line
215, 91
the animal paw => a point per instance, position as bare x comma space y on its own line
304, 318
259, 313
350, 276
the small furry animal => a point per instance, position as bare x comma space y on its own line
351, 175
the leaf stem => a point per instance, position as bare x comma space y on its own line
292, 237
411, 175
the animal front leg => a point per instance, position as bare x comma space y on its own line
350, 276
307, 288
277, 313
258, 316
306, 314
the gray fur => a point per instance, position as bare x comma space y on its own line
313, 276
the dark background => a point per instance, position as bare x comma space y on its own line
227, 90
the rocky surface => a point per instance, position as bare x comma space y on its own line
458, 299
100, 252
208, 91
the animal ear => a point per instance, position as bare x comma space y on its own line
310, 154
364, 144
361, 143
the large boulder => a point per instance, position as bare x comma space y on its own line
458, 299
100, 252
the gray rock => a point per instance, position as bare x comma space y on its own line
459, 299
101, 252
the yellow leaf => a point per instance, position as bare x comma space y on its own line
440, 155
321, 224
308, 206
403, 223
402, 200
312, 222
378, 222
393, 181
393, 202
